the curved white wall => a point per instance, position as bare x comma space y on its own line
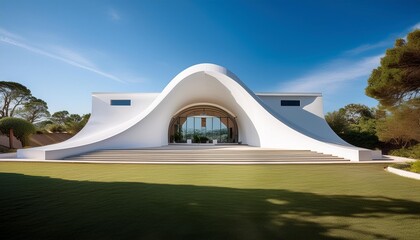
145, 123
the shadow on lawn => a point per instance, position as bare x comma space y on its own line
45, 208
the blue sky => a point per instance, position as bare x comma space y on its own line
65, 50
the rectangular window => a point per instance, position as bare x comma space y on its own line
290, 103
121, 102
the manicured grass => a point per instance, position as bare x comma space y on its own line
115, 201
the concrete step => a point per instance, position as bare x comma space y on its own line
205, 155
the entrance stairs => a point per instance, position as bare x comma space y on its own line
199, 155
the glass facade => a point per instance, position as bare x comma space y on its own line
203, 124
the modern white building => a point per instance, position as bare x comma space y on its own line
204, 104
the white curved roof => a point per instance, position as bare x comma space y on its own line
145, 123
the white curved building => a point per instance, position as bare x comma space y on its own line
205, 103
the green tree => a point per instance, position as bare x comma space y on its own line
74, 118
60, 117
396, 84
397, 79
354, 113
337, 121
402, 126
367, 125
22, 129
356, 124
75, 123
12, 96
34, 110
63, 121
57, 122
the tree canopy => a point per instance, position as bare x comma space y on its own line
396, 85
60, 117
16, 100
356, 124
34, 110
354, 113
402, 127
63, 121
12, 96
75, 122
21, 128
397, 79
337, 122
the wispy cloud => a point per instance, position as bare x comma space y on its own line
115, 16
5, 33
61, 54
73, 56
332, 75
416, 26
367, 47
412, 28
385, 43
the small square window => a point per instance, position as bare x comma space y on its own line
121, 102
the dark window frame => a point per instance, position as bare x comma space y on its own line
120, 102
290, 103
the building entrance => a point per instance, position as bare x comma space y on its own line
203, 124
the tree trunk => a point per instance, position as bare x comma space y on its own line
18, 103
11, 137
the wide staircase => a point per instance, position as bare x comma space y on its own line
207, 156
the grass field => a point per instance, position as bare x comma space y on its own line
116, 201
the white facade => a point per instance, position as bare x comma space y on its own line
261, 120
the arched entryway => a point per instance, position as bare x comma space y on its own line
203, 124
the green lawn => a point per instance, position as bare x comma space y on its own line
116, 201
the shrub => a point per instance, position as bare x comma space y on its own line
415, 166
361, 139
39, 131
409, 166
74, 127
196, 138
55, 128
21, 128
411, 152
402, 166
